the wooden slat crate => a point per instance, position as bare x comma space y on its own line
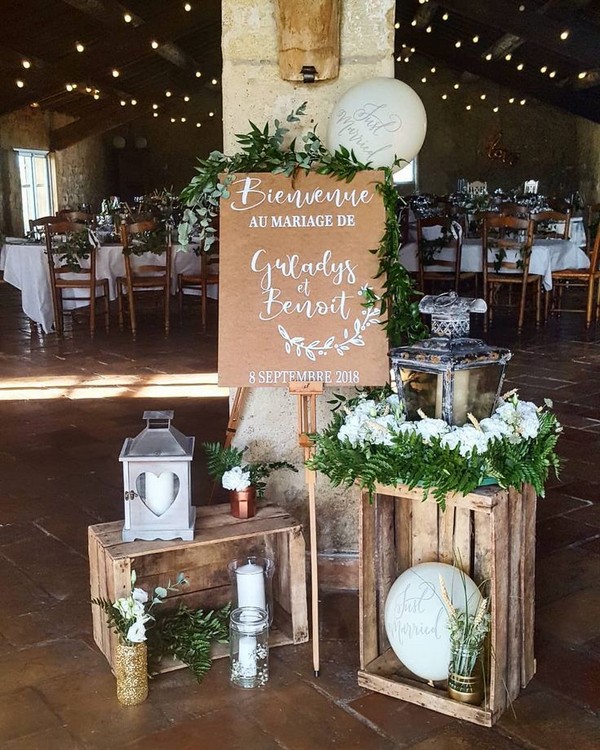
218, 539
492, 532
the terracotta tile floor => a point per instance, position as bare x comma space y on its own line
60, 473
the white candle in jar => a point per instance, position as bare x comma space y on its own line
159, 491
250, 586
247, 655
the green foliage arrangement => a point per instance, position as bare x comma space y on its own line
228, 466
153, 241
188, 635
74, 249
265, 150
370, 442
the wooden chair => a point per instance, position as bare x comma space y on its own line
515, 209
586, 278
545, 225
198, 284
38, 226
502, 236
144, 276
592, 224
448, 271
63, 276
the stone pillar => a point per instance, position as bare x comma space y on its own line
253, 90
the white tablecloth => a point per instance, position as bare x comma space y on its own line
26, 268
546, 256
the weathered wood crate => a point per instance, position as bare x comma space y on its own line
492, 532
218, 539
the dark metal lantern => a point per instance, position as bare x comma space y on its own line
449, 375
157, 479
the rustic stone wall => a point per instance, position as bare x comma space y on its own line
253, 90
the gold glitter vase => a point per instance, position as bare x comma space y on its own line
131, 671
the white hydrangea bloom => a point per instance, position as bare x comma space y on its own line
521, 417
429, 428
467, 439
236, 479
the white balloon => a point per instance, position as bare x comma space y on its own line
380, 120
416, 620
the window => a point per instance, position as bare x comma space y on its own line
36, 184
407, 175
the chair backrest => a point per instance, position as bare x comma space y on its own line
441, 234
59, 265
592, 224
152, 270
515, 209
209, 267
502, 234
39, 225
476, 224
548, 224
82, 217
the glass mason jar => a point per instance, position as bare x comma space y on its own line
252, 583
465, 683
249, 647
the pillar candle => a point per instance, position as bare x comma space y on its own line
250, 586
247, 655
159, 491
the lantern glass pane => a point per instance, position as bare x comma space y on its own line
422, 390
475, 392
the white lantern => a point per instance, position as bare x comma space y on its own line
157, 480
381, 120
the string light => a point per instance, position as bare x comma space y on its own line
444, 96
88, 89
35, 105
127, 17
475, 39
508, 57
413, 22
522, 102
521, 8
468, 107
211, 114
96, 95
543, 69
482, 97
428, 29
396, 25
564, 35
552, 74
520, 66
79, 47
511, 100
155, 106
214, 82
19, 83
115, 73
69, 87
412, 49
172, 119
424, 79
433, 70
155, 114
457, 85
445, 17
123, 102
198, 74
167, 94
488, 57
198, 124
399, 58
458, 44
187, 7
133, 102
26, 64
583, 74
186, 98
154, 44
183, 119
496, 109
407, 59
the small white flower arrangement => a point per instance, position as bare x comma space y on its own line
236, 479
371, 442
128, 616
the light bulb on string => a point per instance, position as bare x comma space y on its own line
445, 17
133, 102
444, 96
127, 17
186, 98
79, 47
475, 39
26, 64
198, 74
468, 107
198, 124
154, 44
520, 66
552, 74
428, 29
495, 109
488, 57
167, 93
582, 75
457, 85
564, 35
20, 83
458, 44
123, 102
187, 7
115, 73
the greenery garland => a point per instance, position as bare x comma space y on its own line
263, 150
74, 249
407, 457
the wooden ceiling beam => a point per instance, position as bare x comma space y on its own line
442, 50
581, 47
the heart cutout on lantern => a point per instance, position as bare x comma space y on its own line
157, 491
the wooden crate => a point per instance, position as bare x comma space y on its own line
492, 531
218, 539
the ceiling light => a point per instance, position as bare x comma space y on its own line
172, 119
88, 89
19, 83
522, 102
186, 98
79, 47
564, 35
155, 114
468, 107
482, 97
444, 96
428, 29
445, 17
520, 66
543, 69
457, 85
96, 95
167, 93
399, 58
154, 44
396, 25
413, 22
155, 106
552, 73
475, 39
198, 124
127, 17
424, 79
123, 102
187, 7
508, 57
183, 119
69, 86
521, 8
511, 100
488, 57
211, 114
496, 109
133, 102
582, 74
34, 105
433, 70
407, 59
115, 73
214, 82
412, 49
26, 64
198, 74
74, 85
458, 44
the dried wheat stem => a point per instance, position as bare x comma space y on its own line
446, 598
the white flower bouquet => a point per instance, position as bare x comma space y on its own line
371, 442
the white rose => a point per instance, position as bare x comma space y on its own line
137, 632
139, 595
236, 479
